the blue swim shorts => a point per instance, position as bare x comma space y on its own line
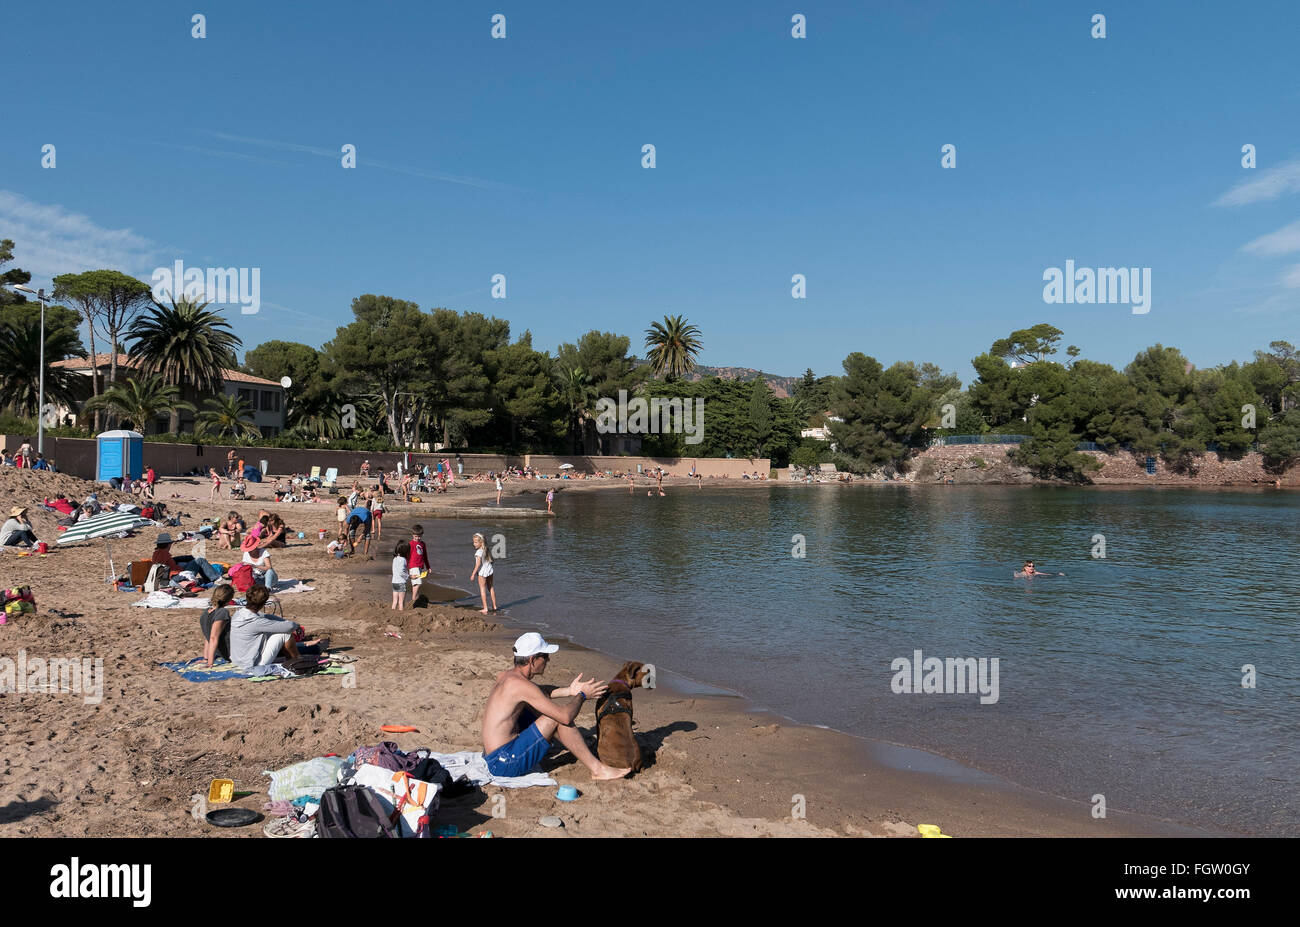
520, 755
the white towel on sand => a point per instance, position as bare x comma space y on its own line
471, 764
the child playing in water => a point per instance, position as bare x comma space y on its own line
483, 569
401, 573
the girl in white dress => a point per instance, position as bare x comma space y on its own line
483, 570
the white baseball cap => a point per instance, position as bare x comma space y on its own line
531, 644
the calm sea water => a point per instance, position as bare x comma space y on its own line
1123, 677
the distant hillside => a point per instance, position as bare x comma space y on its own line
780, 386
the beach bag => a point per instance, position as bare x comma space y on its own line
241, 577
409, 802
353, 811
157, 578
304, 666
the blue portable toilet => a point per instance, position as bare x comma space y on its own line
119, 454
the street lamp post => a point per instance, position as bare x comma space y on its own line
40, 398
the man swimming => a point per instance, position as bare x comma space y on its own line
1028, 572
520, 719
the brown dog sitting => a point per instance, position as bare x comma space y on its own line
615, 743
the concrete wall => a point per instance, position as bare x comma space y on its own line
76, 456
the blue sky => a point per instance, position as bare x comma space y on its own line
775, 156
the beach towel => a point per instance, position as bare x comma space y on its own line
195, 671
472, 765
310, 778
161, 599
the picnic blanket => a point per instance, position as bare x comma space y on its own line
195, 671
471, 764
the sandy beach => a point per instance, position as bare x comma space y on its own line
128, 763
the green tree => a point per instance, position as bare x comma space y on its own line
523, 388
603, 357
302, 363
383, 352
455, 387
140, 400
108, 302
20, 341
672, 347
1028, 345
760, 415
579, 396
187, 345
226, 417
11, 276
884, 412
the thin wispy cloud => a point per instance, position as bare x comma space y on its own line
221, 153
363, 161
49, 240
1284, 241
1292, 278
1267, 185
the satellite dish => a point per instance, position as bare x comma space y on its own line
286, 382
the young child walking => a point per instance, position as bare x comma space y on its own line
400, 574
483, 570
216, 484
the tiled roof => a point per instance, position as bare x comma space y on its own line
124, 360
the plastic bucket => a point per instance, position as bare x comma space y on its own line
221, 791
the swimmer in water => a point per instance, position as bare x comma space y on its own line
1029, 571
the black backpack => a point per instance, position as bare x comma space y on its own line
353, 811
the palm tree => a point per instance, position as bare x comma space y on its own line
227, 417
316, 417
187, 345
673, 346
139, 399
578, 393
20, 351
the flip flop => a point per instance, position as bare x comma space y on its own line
399, 729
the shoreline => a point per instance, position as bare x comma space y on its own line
723, 765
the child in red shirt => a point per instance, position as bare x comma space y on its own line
418, 563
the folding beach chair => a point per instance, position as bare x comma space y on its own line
315, 473
331, 477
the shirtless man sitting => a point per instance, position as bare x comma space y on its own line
520, 719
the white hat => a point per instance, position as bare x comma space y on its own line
532, 644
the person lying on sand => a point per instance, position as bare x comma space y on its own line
520, 719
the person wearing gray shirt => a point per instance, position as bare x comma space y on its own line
256, 639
